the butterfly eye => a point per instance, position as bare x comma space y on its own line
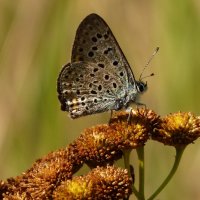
141, 86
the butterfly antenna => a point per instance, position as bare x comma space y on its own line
150, 59
152, 74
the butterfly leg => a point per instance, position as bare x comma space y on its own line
140, 104
111, 114
129, 110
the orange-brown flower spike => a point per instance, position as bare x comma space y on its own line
101, 183
178, 129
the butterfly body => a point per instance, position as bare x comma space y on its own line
99, 77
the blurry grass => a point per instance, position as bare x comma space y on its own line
36, 40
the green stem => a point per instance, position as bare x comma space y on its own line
126, 155
140, 153
136, 193
179, 153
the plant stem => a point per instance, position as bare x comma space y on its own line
126, 155
140, 153
179, 153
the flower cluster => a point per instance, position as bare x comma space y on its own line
51, 176
101, 183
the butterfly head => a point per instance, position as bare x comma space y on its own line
141, 86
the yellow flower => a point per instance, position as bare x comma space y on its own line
101, 183
178, 129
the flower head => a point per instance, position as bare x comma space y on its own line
178, 129
101, 183
134, 128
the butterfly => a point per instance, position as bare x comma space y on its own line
98, 78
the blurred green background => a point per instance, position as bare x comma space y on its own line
36, 38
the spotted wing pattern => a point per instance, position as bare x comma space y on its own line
98, 74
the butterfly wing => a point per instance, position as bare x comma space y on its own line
95, 43
86, 88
